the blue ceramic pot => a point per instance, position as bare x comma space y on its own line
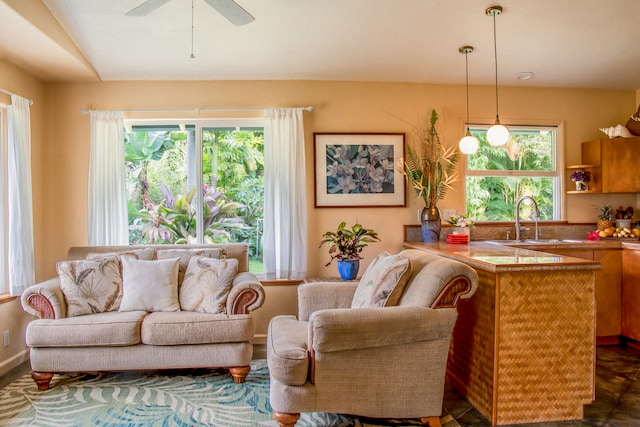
348, 269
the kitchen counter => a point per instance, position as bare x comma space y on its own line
495, 257
523, 348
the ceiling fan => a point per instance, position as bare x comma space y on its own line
227, 8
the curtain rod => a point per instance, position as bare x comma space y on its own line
11, 93
86, 111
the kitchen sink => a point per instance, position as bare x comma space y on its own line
503, 242
542, 241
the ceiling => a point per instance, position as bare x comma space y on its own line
568, 43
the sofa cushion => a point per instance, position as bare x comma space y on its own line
90, 286
383, 282
185, 255
149, 285
287, 353
101, 329
144, 253
185, 327
207, 283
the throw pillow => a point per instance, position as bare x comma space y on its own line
149, 285
207, 283
382, 282
185, 255
90, 286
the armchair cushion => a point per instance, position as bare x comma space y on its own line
383, 282
347, 329
90, 286
207, 282
149, 285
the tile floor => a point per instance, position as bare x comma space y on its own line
617, 392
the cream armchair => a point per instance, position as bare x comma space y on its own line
379, 362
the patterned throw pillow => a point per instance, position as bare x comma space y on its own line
149, 285
185, 255
383, 282
90, 286
207, 283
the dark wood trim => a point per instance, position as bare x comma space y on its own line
450, 294
244, 299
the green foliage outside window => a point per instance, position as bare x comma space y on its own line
498, 176
162, 204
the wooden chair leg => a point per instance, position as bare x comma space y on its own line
42, 379
239, 373
286, 420
431, 421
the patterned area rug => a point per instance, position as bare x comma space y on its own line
183, 398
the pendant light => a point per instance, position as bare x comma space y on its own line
497, 134
468, 144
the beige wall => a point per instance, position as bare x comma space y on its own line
60, 139
339, 107
12, 318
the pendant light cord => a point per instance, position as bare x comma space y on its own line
192, 55
495, 57
466, 61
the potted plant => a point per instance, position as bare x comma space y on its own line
346, 245
581, 177
462, 223
430, 173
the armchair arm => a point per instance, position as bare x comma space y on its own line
323, 295
45, 300
246, 295
355, 329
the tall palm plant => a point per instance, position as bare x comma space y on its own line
432, 172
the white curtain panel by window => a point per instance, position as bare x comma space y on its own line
285, 207
20, 250
107, 182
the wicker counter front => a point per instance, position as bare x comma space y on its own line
523, 349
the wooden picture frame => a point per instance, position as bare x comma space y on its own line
358, 170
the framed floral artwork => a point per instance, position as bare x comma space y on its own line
358, 170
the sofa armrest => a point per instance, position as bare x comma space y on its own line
356, 329
246, 295
324, 295
45, 300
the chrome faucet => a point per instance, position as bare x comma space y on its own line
536, 215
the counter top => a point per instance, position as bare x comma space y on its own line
502, 258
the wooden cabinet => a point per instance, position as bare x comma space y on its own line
608, 290
613, 163
631, 294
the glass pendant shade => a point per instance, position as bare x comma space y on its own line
469, 144
497, 135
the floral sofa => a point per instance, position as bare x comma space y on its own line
144, 307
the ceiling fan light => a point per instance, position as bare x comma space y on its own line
469, 144
497, 135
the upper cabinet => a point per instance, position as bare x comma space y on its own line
614, 164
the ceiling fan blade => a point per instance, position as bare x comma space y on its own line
232, 11
146, 7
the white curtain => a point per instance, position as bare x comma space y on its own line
107, 182
21, 254
285, 213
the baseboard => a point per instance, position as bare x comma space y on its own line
608, 340
259, 339
14, 361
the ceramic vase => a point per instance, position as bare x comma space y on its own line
348, 269
431, 224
